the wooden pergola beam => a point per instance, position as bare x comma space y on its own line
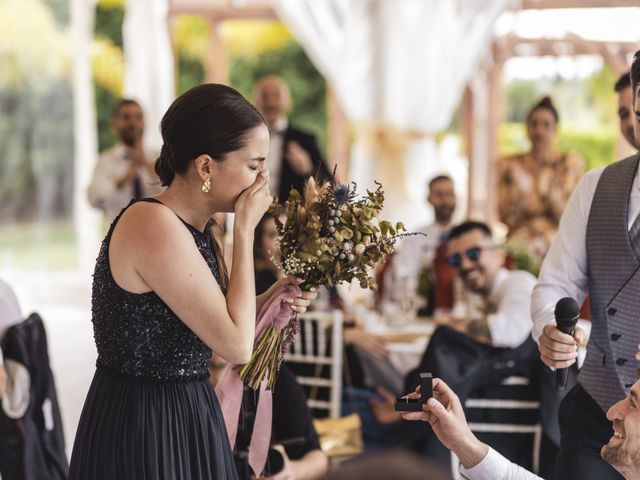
257, 11
547, 4
514, 46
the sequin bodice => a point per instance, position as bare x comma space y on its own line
137, 334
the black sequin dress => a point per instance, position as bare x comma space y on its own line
151, 412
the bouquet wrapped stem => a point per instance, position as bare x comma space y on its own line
268, 354
263, 362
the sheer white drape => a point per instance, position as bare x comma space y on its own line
149, 76
399, 68
86, 219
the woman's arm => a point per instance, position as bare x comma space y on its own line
151, 239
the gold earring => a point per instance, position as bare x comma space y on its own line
206, 186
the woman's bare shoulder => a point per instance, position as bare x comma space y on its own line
147, 225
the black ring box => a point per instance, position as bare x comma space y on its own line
404, 404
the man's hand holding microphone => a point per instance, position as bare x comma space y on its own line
559, 343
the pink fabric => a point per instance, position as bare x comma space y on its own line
276, 311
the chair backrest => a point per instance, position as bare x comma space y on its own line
319, 343
525, 410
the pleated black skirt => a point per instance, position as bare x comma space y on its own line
162, 431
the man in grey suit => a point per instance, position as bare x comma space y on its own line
597, 251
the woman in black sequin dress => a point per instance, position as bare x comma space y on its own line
162, 300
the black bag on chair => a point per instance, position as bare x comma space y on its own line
32, 446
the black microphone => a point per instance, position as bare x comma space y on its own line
567, 314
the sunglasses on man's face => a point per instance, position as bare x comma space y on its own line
472, 254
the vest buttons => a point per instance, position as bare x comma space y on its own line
612, 311
615, 336
621, 361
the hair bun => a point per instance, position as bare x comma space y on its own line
545, 103
164, 166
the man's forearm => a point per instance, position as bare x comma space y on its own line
471, 453
310, 467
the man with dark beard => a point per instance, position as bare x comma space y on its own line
623, 449
625, 108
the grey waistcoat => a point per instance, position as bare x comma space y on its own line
614, 289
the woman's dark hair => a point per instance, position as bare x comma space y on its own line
469, 226
635, 72
439, 178
123, 102
544, 104
259, 255
209, 119
623, 82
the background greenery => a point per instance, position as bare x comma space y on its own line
597, 147
255, 48
36, 107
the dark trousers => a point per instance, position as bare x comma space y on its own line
584, 429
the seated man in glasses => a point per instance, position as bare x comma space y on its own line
502, 318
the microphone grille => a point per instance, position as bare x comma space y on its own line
567, 308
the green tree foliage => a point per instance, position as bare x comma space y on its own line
108, 27
521, 94
108, 22
61, 10
597, 147
601, 95
190, 72
36, 112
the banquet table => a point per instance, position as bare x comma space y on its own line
405, 340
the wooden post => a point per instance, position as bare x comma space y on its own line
467, 135
496, 104
338, 137
217, 68
482, 117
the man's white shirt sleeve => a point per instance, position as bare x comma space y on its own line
564, 270
495, 467
510, 325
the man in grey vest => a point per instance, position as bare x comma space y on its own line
597, 251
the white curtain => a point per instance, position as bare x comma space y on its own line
149, 76
399, 69
86, 219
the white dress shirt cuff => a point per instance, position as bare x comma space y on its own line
492, 467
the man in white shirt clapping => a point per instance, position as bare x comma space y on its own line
125, 171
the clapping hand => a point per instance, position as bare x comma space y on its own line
298, 158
